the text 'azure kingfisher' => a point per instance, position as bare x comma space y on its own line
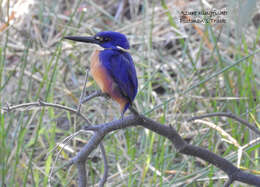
112, 68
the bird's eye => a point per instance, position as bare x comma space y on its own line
98, 38
106, 39
102, 39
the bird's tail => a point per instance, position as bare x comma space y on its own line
124, 110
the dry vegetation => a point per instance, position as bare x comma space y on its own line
183, 69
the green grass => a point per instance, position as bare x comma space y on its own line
179, 75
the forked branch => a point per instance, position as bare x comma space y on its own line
101, 130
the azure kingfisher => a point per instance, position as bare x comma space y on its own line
112, 68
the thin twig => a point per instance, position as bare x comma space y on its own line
65, 140
40, 103
105, 174
229, 115
93, 95
83, 91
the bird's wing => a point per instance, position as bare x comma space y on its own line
121, 68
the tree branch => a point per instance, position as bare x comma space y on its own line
101, 130
40, 103
234, 173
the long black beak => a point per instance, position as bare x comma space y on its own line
85, 39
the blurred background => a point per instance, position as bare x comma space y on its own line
192, 57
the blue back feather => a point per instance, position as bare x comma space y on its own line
120, 67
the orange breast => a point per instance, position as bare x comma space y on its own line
105, 81
99, 73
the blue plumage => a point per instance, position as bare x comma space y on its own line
113, 68
112, 40
120, 66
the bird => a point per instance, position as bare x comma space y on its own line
112, 67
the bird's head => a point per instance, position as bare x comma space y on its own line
106, 39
